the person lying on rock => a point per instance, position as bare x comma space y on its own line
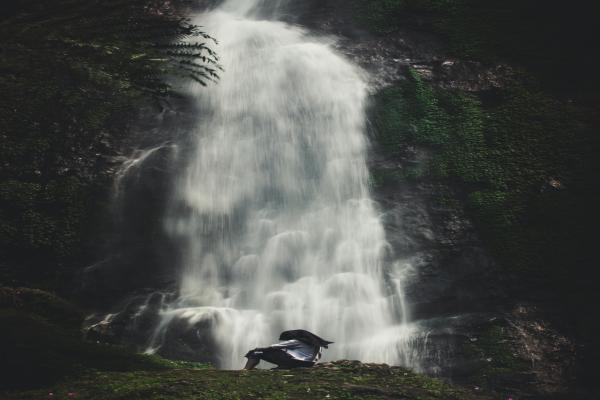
298, 349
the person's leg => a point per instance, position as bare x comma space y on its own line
252, 363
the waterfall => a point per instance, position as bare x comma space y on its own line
273, 209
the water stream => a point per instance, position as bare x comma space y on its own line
273, 210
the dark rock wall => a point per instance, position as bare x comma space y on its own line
493, 322
483, 328
480, 328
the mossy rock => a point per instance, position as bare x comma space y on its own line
500, 362
44, 305
528, 157
345, 380
524, 167
41, 342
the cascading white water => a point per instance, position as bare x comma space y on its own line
274, 209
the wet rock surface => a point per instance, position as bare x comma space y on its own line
138, 253
387, 57
474, 333
477, 333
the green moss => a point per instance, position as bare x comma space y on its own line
381, 178
336, 382
525, 164
499, 360
41, 343
43, 352
42, 224
43, 305
450, 122
525, 168
73, 76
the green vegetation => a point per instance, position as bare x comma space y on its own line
73, 75
525, 167
43, 352
500, 362
41, 343
341, 380
525, 163
523, 157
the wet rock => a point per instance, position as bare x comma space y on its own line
182, 341
130, 323
142, 254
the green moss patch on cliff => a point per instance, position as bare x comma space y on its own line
344, 380
523, 165
41, 343
500, 363
523, 156
525, 162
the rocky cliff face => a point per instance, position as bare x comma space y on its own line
479, 330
